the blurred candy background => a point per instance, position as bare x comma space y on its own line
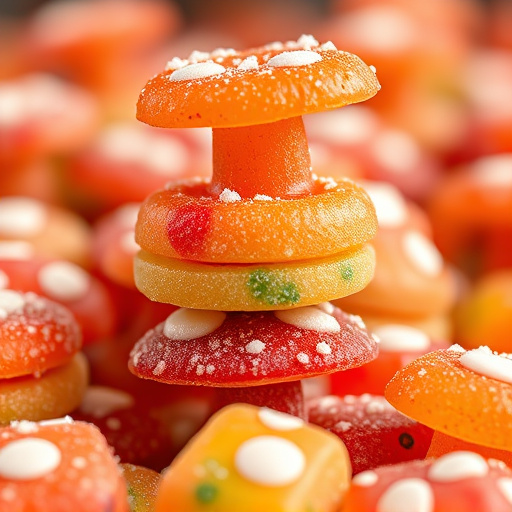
434, 148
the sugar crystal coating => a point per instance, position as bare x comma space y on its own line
270, 461
28, 458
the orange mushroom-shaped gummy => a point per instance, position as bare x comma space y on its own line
463, 394
254, 101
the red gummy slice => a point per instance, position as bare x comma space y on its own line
374, 432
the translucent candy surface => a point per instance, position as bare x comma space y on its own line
253, 287
259, 458
239, 97
475, 407
373, 431
184, 221
253, 348
142, 486
84, 477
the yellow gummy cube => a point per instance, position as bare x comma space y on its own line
252, 459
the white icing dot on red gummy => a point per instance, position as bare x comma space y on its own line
100, 401
10, 301
422, 253
505, 486
187, 324
407, 495
366, 478
63, 280
255, 347
389, 203
401, 338
294, 58
4, 279
197, 70
28, 458
21, 216
458, 466
270, 461
483, 361
279, 420
310, 318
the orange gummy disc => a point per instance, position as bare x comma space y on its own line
35, 334
226, 88
185, 222
439, 391
58, 392
254, 287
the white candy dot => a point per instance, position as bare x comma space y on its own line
390, 143
458, 466
21, 216
303, 358
309, 317
229, 196
494, 170
366, 478
323, 348
188, 324
63, 280
389, 203
483, 361
28, 458
407, 495
255, 347
128, 243
100, 401
295, 58
270, 461
422, 253
279, 420
10, 301
4, 280
505, 486
250, 62
401, 338
197, 70
16, 250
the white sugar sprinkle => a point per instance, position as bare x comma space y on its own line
483, 361
229, 196
270, 461
262, 197
295, 58
279, 420
28, 458
63, 280
309, 317
505, 486
303, 358
187, 324
407, 495
159, 368
458, 466
20, 216
329, 45
365, 478
323, 348
422, 253
197, 70
255, 347
400, 338
250, 62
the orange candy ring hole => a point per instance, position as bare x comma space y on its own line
36, 334
185, 222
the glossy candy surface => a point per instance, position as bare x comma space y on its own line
253, 287
214, 348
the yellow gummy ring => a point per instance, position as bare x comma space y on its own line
257, 287
56, 393
184, 222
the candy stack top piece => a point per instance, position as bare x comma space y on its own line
227, 88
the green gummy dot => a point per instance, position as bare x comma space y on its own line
206, 493
347, 273
268, 288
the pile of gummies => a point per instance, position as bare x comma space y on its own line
267, 321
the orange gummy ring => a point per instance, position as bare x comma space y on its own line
58, 392
257, 287
186, 222
439, 391
226, 88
